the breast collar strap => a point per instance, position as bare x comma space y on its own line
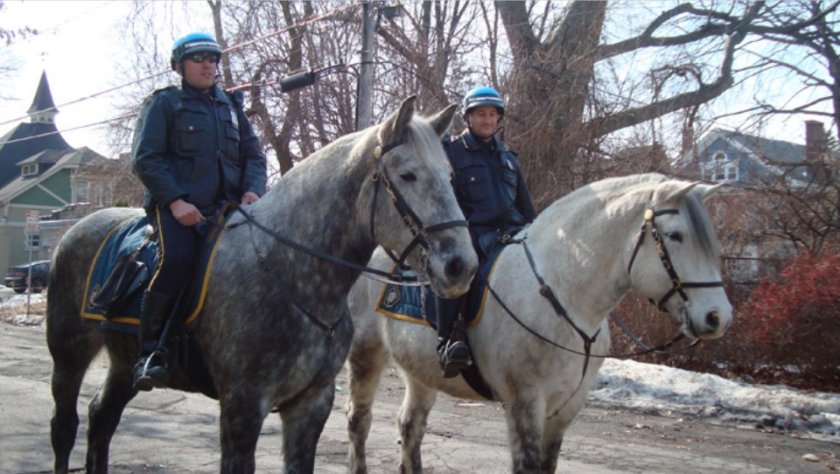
548, 294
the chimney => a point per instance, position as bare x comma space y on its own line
814, 140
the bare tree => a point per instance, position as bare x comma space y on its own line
8, 36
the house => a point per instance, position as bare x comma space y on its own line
755, 224
38, 174
724, 156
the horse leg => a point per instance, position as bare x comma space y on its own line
365, 365
241, 420
71, 358
552, 442
414, 413
104, 414
303, 422
525, 419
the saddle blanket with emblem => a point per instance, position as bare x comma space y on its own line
128, 256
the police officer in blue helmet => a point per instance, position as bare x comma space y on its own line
494, 198
194, 150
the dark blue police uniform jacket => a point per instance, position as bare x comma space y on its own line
196, 146
489, 186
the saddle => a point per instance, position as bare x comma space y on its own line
123, 266
417, 304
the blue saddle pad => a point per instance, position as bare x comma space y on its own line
124, 239
406, 303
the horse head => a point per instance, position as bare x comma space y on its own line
415, 215
675, 262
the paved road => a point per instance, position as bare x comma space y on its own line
171, 432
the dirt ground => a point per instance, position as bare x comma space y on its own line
165, 431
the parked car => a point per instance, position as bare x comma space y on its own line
17, 275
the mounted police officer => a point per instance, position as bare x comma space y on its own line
193, 150
493, 196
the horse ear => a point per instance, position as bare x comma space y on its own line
393, 129
705, 191
678, 194
443, 119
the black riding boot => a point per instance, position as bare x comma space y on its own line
151, 371
452, 346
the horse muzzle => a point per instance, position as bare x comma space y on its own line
709, 323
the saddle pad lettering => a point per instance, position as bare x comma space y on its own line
404, 302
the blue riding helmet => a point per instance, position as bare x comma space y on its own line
193, 43
480, 97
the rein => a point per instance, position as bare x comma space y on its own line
409, 217
648, 226
396, 279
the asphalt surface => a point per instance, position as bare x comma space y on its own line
166, 431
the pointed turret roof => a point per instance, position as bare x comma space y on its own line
28, 139
43, 100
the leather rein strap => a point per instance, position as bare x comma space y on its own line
410, 218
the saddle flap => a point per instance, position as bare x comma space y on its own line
127, 276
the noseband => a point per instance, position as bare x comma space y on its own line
409, 217
677, 285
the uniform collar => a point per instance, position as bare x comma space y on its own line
471, 142
189, 92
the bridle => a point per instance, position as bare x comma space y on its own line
677, 285
648, 226
409, 217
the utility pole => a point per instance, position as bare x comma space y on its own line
364, 91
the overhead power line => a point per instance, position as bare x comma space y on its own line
152, 76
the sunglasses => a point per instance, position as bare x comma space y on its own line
201, 57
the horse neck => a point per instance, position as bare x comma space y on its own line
318, 204
581, 248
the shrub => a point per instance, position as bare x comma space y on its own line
794, 316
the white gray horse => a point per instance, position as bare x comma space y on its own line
587, 249
274, 330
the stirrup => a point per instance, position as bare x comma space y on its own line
454, 357
148, 376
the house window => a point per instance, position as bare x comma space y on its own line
31, 241
80, 191
29, 170
720, 168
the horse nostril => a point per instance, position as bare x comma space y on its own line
712, 319
454, 268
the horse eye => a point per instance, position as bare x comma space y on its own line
675, 236
410, 177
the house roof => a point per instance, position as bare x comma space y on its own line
66, 159
25, 140
28, 139
767, 149
43, 97
779, 151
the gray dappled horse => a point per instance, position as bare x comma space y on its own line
589, 251
274, 331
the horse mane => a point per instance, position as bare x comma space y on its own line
420, 134
615, 195
700, 225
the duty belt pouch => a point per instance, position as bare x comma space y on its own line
127, 276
